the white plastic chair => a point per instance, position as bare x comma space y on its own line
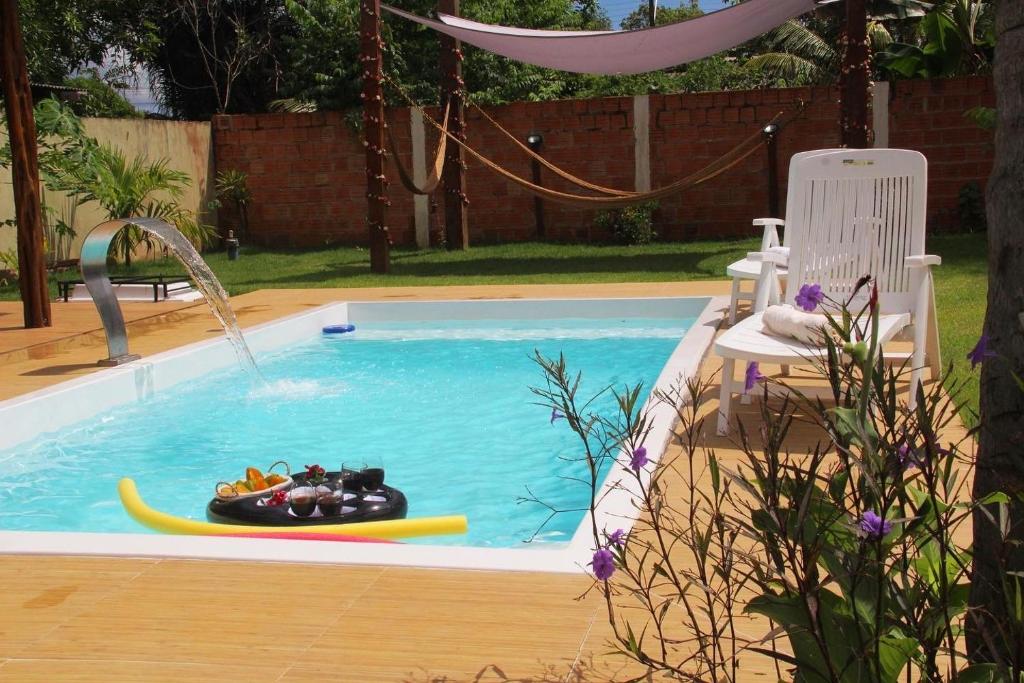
850, 213
749, 270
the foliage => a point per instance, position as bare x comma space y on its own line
631, 225
136, 188
323, 54
58, 227
641, 16
61, 36
217, 56
712, 73
100, 99
233, 186
852, 549
85, 170
956, 38
798, 54
983, 117
8, 264
971, 207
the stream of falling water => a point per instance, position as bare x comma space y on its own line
214, 293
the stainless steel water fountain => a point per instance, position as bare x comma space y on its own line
97, 281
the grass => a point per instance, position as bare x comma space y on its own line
961, 283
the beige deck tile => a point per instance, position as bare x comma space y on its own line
161, 671
455, 624
208, 612
46, 592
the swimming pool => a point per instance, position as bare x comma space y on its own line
437, 391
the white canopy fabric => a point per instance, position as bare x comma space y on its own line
622, 52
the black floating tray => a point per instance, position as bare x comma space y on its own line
251, 511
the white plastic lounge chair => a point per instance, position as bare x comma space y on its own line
746, 269
850, 213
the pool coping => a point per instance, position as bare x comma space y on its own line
618, 509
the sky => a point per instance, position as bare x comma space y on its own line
617, 9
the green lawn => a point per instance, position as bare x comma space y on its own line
961, 282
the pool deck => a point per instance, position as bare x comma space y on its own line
104, 619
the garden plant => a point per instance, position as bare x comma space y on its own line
846, 561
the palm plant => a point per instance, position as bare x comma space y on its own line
126, 188
802, 55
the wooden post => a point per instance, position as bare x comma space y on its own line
21, 128
453, 87
855, 77
373, 131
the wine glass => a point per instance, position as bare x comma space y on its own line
373, 473
302, 501
350, 479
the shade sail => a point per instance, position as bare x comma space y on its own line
622, 52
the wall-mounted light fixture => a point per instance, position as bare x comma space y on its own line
535, 140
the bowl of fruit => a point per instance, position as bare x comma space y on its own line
256, 483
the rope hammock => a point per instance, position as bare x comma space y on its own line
620, 200
434, 179
579, 182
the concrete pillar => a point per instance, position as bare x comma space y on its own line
642, 141
421, 202
880, 113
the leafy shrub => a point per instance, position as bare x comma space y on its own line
971, 207
631, 225
100, 99
852, 550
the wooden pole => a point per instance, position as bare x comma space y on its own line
456, 218
373, 130
21, 128
855, 77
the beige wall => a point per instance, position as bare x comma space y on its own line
186, 146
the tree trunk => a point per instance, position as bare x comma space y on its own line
855, 77
373, 128
1000, 464
21, 128
456, 219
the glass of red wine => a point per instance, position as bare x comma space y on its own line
302, 501
373, 473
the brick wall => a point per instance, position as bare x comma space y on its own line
307, 176
929, 116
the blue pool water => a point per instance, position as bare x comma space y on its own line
452, 419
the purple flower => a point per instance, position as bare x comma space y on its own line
555, 415
639, 459
980, 352
603, 564
873, 526
906, 456
809, 297
617, 538
753, 376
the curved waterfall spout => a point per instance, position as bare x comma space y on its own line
97, 281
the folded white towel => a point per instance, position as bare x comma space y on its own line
786, 321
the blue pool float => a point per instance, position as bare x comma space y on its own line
340, 329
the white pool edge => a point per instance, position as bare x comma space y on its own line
617, 509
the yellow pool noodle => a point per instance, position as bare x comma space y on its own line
394, 528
